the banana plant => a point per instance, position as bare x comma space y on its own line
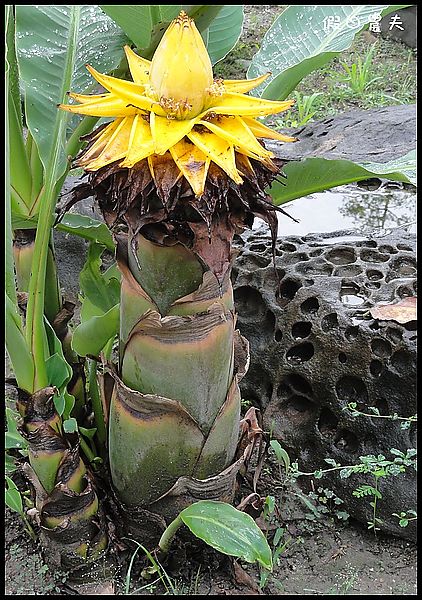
39, 142
180, 170
67, 507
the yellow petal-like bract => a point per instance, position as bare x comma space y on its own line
174, 105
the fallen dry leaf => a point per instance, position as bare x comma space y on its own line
243, 579
402, 312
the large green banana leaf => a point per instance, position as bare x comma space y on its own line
53, 45
318, 174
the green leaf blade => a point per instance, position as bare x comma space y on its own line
17, 349
53, 45
90, 337
224, 31
313, 175
87, 228
228, 530
12, 496
138, 21
100, 290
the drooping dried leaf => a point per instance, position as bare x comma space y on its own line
154, 199
403, 311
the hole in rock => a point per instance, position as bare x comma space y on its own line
278, 336
350, 294
268, 325
258, 386
373, 256
375, 368
298, 384
328, 322
352, 389
346, 440
283, 390
287, 291
394, 334
387, 248
372, 285
401, 362
259, 261
327, 423
404, 247
381, 348
351, 333
369, 244
257, 247
341, 256
342, 357
310, 306
298, 405
281, 273
300, 353
309, 282
297, 257
249, 303
403, 266
301, 329
317, 268
404, 291
316, 252
382, 406
347, 271
288, 247
374, 275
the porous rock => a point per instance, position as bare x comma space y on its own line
315, 348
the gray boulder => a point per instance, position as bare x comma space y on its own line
375, 135
315, 348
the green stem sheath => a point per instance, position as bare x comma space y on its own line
86, 449
97, 406
169, 533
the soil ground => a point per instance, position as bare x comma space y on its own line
322, 556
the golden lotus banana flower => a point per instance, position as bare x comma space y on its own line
174, 107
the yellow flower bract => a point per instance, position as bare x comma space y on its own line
174, 105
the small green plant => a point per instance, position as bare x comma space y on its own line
406, 517
358, 75
405, 422
15, 445
304, 109
280, 541
325, 502
224, 528
377, 466
155, 568
369, 490
13, 499
306, 106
